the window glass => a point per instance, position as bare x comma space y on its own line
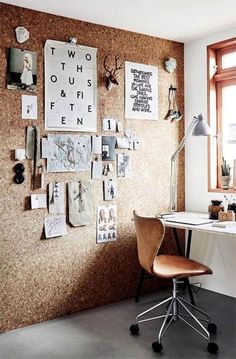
229, 123
229, 60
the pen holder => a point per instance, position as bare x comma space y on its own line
214, 209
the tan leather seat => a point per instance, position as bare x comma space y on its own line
168, 266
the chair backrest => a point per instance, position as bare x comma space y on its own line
150, 233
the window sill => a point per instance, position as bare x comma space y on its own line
221, 190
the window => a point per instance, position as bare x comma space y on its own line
222, 110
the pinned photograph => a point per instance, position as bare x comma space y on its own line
22, 70
110, 189
123, 165
106, 223
108, 148
29, 107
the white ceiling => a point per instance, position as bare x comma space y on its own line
179, 20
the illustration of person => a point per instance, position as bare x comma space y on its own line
111, 218
104, 237
109, 235
113, 235
112, 191
102, 220
100, 237
26, 76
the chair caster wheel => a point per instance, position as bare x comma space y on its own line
157, 347
212, 328
212, 348
134, 329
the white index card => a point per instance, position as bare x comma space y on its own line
38, 200
97, 169
109, 124
96, 145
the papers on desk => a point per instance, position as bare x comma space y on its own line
224, 224
188, 220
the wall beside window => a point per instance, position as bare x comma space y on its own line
216, 251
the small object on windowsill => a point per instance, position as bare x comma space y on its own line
224, 224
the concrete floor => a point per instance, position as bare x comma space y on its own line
103, 333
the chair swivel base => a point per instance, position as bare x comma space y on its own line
173, 315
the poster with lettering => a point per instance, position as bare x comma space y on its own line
70, 87
141, 91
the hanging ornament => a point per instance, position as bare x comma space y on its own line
22, 34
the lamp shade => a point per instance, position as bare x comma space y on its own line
201, 128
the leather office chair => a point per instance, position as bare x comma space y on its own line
150, 234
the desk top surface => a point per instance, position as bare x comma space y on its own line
207, 228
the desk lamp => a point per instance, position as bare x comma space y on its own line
199, 127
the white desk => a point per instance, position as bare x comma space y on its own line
204, 228
207, 228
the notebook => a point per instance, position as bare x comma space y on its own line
185, 220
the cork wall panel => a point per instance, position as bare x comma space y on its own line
42, 279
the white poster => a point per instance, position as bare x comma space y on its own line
106, 223
70, 87
29, 107
67, 153
141, 91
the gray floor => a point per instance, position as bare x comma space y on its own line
104, 333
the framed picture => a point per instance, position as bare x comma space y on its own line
110, 189
22, 70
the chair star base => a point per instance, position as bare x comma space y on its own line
174, 303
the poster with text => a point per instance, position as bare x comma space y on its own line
70, 87
141, 91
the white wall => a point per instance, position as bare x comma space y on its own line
219, 252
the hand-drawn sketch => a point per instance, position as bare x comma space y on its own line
110, 189
56, 203
29, 107
106, 223
80, 200
123, 165
55, 226
67, 153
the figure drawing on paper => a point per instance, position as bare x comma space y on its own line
106, 223
68, 153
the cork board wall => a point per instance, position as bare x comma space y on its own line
43, 279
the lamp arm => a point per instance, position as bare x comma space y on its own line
173, 176
183, 141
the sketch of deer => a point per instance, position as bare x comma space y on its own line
111, 75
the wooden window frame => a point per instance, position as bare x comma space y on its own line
217, 78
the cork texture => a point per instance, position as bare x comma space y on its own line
43, 279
